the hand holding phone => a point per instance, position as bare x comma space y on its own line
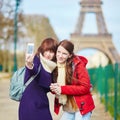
29, 55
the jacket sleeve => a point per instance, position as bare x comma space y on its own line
81, 84
31, 72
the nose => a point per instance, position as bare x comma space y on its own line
48, 53
60, 54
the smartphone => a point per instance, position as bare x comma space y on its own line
30, 48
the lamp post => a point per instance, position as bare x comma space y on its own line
15, 34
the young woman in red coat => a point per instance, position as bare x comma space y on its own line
72, 84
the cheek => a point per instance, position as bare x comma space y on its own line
65, 58
52, 55
57, 55
44, 54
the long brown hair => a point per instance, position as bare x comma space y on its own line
47, 44
69, 47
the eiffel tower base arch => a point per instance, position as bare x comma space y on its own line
101, 42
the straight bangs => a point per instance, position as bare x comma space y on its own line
49, 46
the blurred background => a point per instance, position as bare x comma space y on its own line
24, 21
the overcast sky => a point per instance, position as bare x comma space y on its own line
63, 16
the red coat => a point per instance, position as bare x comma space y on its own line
80, 89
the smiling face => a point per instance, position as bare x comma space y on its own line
49, 54
62, 55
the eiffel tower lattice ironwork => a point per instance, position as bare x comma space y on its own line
101, 41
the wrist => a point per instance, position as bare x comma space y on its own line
29, 65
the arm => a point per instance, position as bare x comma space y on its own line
32, 66
29, 61
80, 86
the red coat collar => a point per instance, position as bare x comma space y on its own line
78, 59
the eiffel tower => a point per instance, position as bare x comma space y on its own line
101, 41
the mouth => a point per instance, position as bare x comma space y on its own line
60, 59
48, 58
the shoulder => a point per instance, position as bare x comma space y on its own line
36, 59
80, 60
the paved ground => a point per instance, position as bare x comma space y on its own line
9, 108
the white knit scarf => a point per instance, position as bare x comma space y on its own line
48, 65
61, 81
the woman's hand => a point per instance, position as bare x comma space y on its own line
55, 87
29, 61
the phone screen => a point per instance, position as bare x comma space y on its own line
30, 48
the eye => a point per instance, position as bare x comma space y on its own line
58, 51
64, 53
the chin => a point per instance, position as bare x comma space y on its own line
60, 62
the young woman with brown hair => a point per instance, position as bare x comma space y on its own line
34, 104
72, 84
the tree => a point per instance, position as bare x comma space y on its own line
7, 11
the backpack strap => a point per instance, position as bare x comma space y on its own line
32, 78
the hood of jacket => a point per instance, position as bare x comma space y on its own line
78, 59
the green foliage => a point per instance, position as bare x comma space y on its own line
1, 57
7, 10
38, 28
